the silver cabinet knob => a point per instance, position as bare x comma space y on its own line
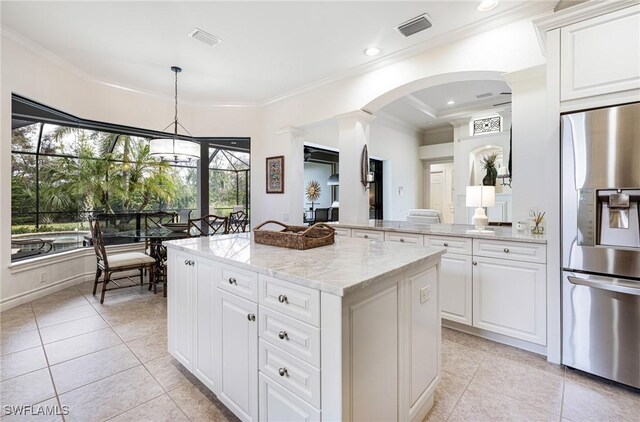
186, 262
366, 236
251, 317
232, 280
506, 250
282, 298
445, 244
283, 372
475, 262
401, 239
283, 335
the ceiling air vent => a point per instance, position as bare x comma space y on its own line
415, 25
205, 37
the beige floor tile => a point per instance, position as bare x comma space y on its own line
132, 312
524, 357
114, 298
597, 382
461, 360
46, 411
168, 372
200, 404
141, 328
150, 347
19, 363
74, 347
72, 328
160, 409
479, 404
111, 396
14, 342
583, 402
18, 319
30, 388
60, 315
446, 396
66, 298
20, 311
529, 385
86, 369
467, 340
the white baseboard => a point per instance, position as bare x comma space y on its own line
498, 338
34, 294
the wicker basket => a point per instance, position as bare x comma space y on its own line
295, 237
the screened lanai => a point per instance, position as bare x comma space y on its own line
65, 169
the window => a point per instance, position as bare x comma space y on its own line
66, 170
487, 125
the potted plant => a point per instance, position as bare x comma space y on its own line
488, 163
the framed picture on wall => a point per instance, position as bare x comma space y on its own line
275, 174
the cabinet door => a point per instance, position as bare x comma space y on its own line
179, 306
456, 288
601, 55
207, 276
509, 297
279, 405
237, 354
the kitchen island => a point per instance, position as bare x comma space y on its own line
349, 331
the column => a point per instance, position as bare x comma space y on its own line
353, 134
292, 141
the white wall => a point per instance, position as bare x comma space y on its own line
436, 136
402, 185
320, 173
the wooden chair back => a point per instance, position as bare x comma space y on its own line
321, 215
208, 226
238, 222
98, 242
157, 219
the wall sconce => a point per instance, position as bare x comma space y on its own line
366, 177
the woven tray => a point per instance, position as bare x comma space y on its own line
295, 237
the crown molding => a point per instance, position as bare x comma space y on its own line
575, 14
390, 120
525, 74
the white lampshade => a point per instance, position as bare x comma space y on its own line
481, 196
168, 149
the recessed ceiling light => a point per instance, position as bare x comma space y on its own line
451, 102
372, 51
486, 5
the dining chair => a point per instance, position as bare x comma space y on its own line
184, 215
238, 222
321, 215
208, 226
115, 263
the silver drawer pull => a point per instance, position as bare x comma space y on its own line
283, 335
283, 372
506, 250
402, 239
186, 262
283, 299
445, 244
251, 317
232, 280
366, 236
475, 262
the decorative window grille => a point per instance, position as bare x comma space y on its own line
488, 125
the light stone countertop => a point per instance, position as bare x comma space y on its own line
459, 230
346, 265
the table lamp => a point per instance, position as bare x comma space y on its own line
480, 197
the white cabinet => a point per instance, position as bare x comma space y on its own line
207, 274
600, 55
342, 231
413, 238
279, 405
180, 266
509, 298
456, 289
368, 234
237, 354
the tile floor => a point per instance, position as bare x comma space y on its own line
110, 362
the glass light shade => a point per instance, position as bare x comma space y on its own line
481, 196
334, 180
177, 150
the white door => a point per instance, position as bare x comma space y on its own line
441, 188
237, 354
509, 297
180, 268
207, 276
437, 190
455, 288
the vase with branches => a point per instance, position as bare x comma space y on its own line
488, 163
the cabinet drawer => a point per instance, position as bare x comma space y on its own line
295, 337
342, 231
517, 251
413, 238
290, 372
367, 234
240, 282
277, 404
291, 299
461, 245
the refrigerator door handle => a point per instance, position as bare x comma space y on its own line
610, 284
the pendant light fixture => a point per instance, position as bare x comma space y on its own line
174, 149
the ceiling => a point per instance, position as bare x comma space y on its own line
269, 49
429, 109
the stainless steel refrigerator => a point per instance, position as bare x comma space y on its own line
601, 242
